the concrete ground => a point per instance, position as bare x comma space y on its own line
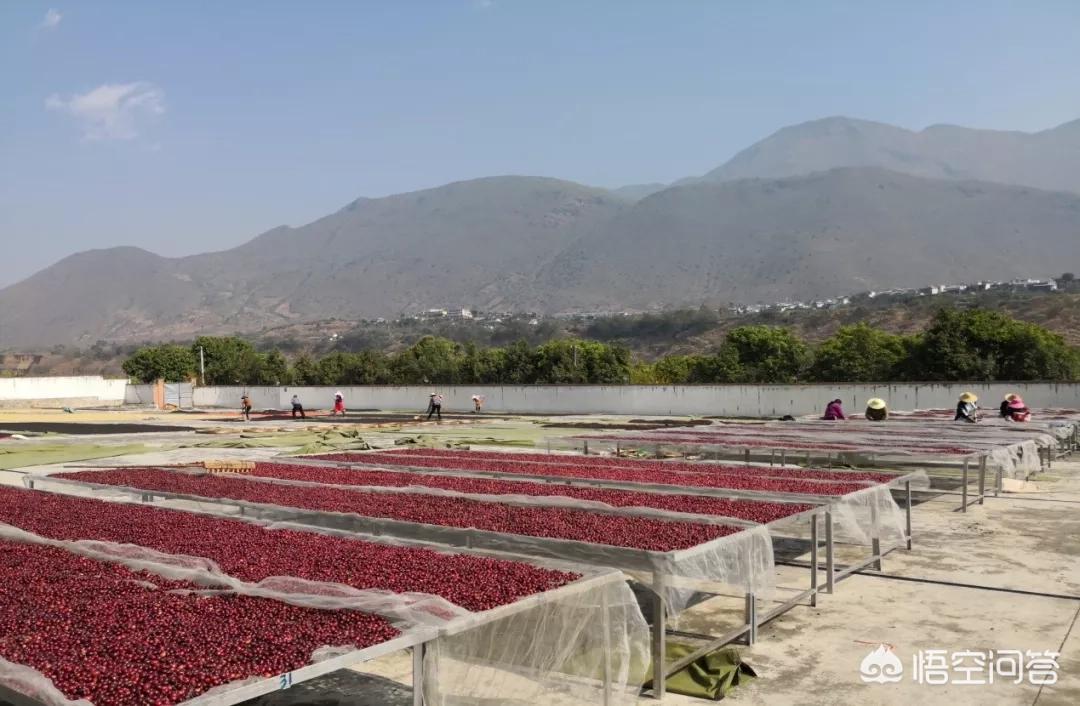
1004, 576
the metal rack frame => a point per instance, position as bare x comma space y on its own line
875, 558
418, 641
633, 561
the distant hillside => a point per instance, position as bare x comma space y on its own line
649, 338
478, 243
1059, 312
1046, 160
636, 192
831, 233
816, 210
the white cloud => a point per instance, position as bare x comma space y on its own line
52, 19
112, 111
483, 4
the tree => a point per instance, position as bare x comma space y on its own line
274, 369
305, 372
229, 360
518, 364
760, 354
674, 369
1030, 352
571, 361
483, 366
859, 353
173, 363
430, 360
988, 345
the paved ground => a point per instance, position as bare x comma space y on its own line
1004, 576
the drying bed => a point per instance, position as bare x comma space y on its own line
533, 521
117, 637
727, 556
253, 553
591, 620
863, 512
757, 511
530, 460
793, 442
583, 468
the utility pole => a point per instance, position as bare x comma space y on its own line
202, 366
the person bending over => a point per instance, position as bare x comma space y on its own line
834, 411
876, 410
967, 410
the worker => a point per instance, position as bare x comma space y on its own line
834, 410
478, 402
297, 407
434, 406
876, 410
1018, 411
245, 407
1004, 409
339, 404
967, 410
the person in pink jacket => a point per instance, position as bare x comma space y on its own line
834, 411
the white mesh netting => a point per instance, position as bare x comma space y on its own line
1005, 449
470, 654
742, 561
860, 516
35, 685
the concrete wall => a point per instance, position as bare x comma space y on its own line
700, 400
61, 391
142, 395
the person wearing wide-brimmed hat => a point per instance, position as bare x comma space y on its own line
1016, 410
967, 409
1004, 409
434, 406
877, 410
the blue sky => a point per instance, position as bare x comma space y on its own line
190, 126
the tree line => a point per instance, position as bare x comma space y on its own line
957, 345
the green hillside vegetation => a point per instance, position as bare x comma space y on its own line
956, 344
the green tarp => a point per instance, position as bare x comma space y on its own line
21, 456
308, 442
710, 677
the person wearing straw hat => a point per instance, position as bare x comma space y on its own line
877, 410
967, 410
1017, 410
339, 404
434, 406
1004, 409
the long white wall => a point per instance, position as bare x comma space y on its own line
700, 400
88, 388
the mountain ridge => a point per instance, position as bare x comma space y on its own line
816, 209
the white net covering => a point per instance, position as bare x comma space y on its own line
586, 642
742, 560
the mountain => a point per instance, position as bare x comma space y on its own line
478, 243
816, 210
636, 192
845, 230
1046, 160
